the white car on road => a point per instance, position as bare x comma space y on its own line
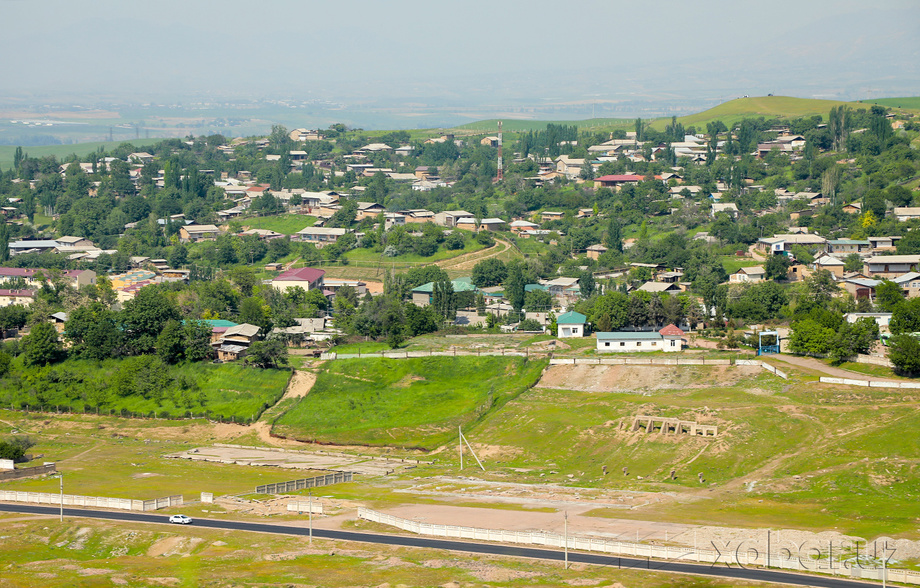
180, 520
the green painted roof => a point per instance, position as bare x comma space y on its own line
215, 323
571, 318
533, 287
459, 285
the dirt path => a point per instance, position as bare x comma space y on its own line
468, 260
819, 366
756, 255
301, 383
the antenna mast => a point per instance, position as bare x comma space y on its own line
500, 166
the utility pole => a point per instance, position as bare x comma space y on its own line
61, 478
460, 441
566, 535
311, 516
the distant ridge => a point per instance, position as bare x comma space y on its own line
727, 112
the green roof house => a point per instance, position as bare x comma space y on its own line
571, 324
421, 295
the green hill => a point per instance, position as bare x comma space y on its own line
729, 112
766, 106
907, 103
62, 151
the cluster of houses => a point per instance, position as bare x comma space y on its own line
876, 253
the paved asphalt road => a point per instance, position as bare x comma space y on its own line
468, 547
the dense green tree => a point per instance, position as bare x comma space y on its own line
196, 341
271, 353
14, 316
538, 301
854, 338
421, 320
853, 263
93, 331
442, 300
42, 346
776, 267
809, 337
514, 284
253, 313
144, 317
904, 353
610, 312
905, 317
170, 345
888, 295
489, 272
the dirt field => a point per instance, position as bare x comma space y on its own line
299, 460
621, 378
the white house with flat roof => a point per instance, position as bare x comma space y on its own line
668, 339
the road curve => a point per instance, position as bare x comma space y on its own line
754, 574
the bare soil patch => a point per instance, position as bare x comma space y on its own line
625, 378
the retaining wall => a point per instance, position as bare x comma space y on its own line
325, 452
28, 472
870, 383
783, 559
305, 507
563, 360
91, 501
304, 483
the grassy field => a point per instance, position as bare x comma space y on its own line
369, 255
405, 403
62, 151
767, 106
286, 224
226, 391
911, 102
733, 263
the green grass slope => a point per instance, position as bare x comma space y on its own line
906, 103
226, 391
408, 403
767, 106
286, 224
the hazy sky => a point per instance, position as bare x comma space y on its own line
460, 51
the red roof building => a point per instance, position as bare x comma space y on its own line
307, 278
671, 331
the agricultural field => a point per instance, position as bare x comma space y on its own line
286, 224
145, 386
61, 152
442, 254
405, 403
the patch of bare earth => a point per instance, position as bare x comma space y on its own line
606, 378
482, 571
